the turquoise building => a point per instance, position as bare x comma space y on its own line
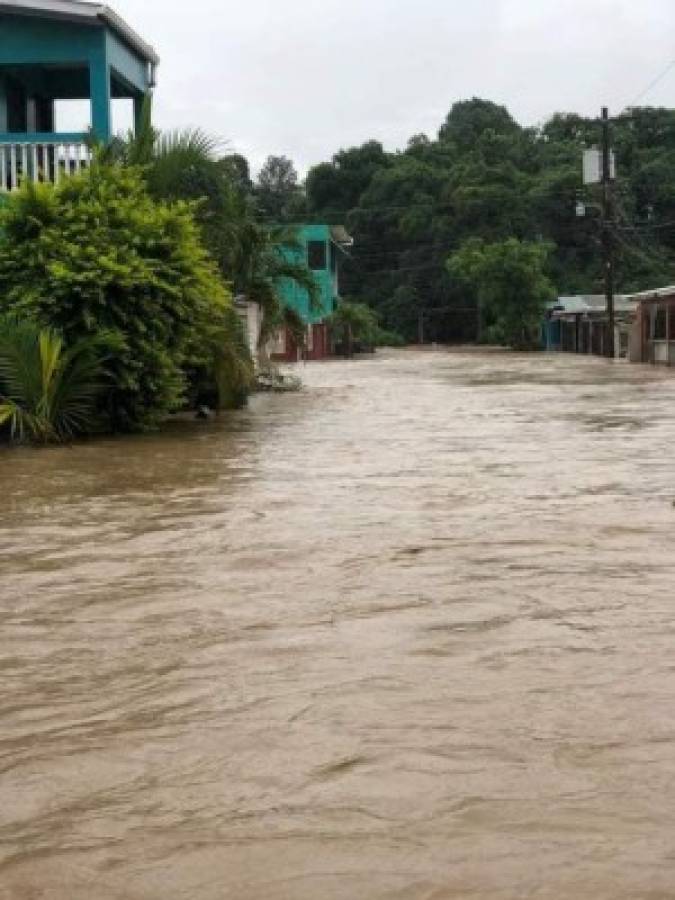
320, 248
53, 50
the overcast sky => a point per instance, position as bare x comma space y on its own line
304, 78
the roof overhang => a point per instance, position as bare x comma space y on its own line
665, 293
85, 14
340, 237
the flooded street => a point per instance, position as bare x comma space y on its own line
407, 634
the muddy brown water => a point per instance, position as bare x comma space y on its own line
408, 634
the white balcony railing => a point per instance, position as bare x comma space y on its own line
40, 161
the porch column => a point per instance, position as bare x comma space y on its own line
139, 103
99, 83
3, 105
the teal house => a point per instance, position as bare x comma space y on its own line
52, 50
320, 247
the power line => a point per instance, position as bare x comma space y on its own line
652, 84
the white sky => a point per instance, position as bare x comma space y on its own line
305, 78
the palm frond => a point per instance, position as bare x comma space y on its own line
46, 392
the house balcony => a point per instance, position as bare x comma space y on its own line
41, 157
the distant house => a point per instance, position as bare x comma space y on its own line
320, 247
653, 336
578, 324
53, 50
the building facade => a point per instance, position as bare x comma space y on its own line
320, 248
579, 324
653, 335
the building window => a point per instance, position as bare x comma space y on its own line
333, 258
660, 324
316, 255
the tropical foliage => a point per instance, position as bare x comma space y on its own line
510, 287
485, 176
240, 223
97, 254
354, 324
47, 392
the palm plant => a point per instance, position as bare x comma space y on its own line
354, 322
253, 257
263, 257
47, 392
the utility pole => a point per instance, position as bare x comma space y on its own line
607, 229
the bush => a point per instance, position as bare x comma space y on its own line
47, 392
96, 254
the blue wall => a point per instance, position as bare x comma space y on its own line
296, 297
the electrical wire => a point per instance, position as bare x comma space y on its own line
652, 84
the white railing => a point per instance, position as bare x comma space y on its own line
43, 161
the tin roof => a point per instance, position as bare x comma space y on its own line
85, 13
590, 304
657, 294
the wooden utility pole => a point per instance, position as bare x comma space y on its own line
607, 229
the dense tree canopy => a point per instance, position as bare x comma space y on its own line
277, 189
510, 287
486, 177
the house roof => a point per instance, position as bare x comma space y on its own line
589, 304
340, 236
84, 13
657, 294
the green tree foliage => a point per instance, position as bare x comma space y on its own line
486, 177
277, 190
97, 254
509, 282
47, 392
354, 324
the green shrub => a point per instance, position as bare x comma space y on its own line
96, 254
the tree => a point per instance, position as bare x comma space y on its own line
97, 254
354, 322
469, 120
336, 187
509, 281
277, 188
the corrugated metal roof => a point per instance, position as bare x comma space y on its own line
591, 304
80, 11
657, 294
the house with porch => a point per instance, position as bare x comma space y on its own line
52, 50
320, 247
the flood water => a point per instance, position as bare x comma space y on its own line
407, 634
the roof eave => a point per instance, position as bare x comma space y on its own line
85, 13
110, 17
